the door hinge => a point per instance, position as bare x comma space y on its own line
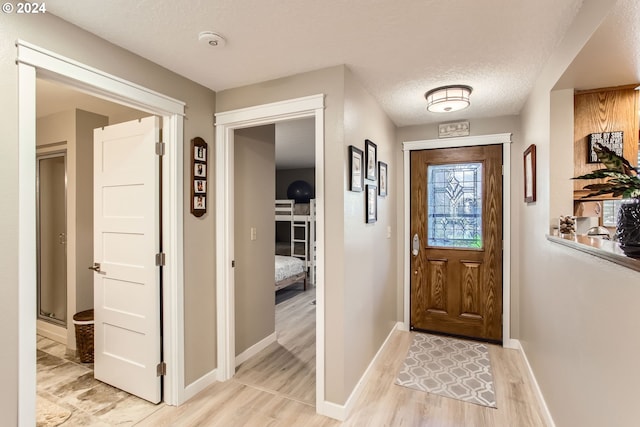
502, 167
161, 369
160, 259
233, 263
160, 148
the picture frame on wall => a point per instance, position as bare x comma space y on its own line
356, 166
371, 160
372, 204
200, 202
199, 153
530, 174
383, 179
200, 170
199, 177
199, 186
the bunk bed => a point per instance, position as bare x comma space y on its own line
301, 244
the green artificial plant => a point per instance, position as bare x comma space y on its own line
622, 178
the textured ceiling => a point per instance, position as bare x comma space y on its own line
398, 49
612, 55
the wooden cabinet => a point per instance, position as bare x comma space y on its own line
603, 110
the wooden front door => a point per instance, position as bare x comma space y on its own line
456, 241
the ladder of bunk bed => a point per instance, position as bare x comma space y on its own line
311, 260
295, 249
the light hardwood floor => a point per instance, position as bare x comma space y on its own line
288, 366
277, 388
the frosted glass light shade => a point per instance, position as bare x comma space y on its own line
446, 99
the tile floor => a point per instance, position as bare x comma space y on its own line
68, 395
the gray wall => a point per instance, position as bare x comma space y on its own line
370, 278
54, 34
578, 313
284, 177
254, 181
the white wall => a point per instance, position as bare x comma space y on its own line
578, 313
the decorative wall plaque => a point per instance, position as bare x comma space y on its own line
199, 173
449, 130
611, 140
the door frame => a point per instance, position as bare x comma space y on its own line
226, 123
34, 61
466, 141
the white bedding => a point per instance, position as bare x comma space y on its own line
287, 266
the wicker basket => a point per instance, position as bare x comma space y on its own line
83, 323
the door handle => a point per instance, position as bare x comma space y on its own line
415, 245
95, 267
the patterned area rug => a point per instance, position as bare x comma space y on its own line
449, 367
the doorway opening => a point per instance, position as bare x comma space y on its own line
34, 62
226, 125
275, 325
71, 120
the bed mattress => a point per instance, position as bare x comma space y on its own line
287, 266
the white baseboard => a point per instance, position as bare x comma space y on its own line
53, 332
511, 343
536, 388
255, 349
211, 377
198, 385
341, 412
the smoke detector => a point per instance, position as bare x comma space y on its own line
212, 39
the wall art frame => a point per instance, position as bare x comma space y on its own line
199, 151
372, 204
529, 158
356, 166
371, 159
612, 140
383, 179
453, 129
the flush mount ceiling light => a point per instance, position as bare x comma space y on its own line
446, 99
212, 39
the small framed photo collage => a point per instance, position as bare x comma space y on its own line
200, 174
365, 166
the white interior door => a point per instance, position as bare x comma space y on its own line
126, 240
